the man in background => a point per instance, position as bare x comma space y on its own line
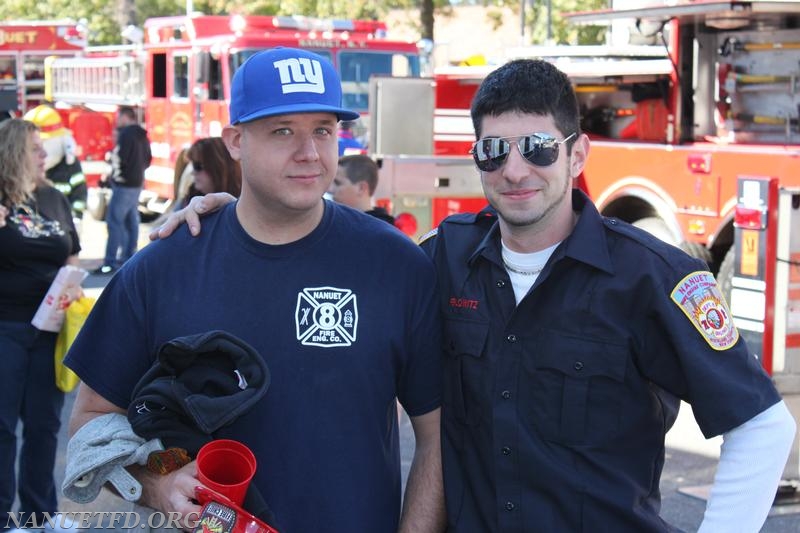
130, 158
348, 144
355, 183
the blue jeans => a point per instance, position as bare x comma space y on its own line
28, 393
122, 222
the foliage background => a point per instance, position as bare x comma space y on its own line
105, 18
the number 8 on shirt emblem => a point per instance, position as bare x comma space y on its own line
326, 317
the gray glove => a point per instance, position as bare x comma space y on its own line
99, 452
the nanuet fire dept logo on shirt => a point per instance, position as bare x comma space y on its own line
700, 299
326, 317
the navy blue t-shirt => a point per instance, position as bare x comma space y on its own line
346, 319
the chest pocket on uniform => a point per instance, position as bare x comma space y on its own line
575, 388
467, 374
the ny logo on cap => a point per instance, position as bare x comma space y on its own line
300, 75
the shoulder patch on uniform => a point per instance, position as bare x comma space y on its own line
699, 297
431, 233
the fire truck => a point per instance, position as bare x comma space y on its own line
700, 146
179, 76
24, 45
421, 131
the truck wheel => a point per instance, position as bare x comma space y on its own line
147, 216
725, 275
657, 228
697, 250
97, 203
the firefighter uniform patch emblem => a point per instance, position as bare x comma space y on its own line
700, 299
326, 317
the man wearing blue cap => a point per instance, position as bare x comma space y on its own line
284, 270
581, 336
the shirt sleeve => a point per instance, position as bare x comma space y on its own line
56, 207
105, 355
125, 151
420, 382
72, 230
695, 352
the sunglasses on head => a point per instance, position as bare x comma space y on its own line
539, 149
197, 167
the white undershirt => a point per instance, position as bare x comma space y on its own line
523, 269
751, 462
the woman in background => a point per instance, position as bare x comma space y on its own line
214, 169
37, 237
181, 178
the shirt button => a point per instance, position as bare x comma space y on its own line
506, 394
500, 283
578, 366
510, 506
506, 450
511, 338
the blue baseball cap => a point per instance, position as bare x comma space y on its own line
281, 81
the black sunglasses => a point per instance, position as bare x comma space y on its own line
197, 167
539, 149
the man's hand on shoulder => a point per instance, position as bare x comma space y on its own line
198, 206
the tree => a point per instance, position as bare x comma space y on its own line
127, 13
560, 29
426, 19
106, 18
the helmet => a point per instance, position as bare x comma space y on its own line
48, 120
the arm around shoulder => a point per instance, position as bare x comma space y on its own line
190, 215
423, 505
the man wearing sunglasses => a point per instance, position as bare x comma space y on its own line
571, 338
582, 335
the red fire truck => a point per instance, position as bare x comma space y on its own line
701, 147
24, 45
179, 77
421, 131
672, 127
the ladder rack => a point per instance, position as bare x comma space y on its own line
117, 80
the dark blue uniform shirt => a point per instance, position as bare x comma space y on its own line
555, 410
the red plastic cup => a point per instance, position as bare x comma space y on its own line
227, 467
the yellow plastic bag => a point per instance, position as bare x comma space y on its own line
74, 317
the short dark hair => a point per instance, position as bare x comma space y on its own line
127, 111
359, 167
529, 86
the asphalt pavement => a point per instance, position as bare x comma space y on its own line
688, 471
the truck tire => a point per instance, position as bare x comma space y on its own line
725, 275
697, 250
146, 216
657, 228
